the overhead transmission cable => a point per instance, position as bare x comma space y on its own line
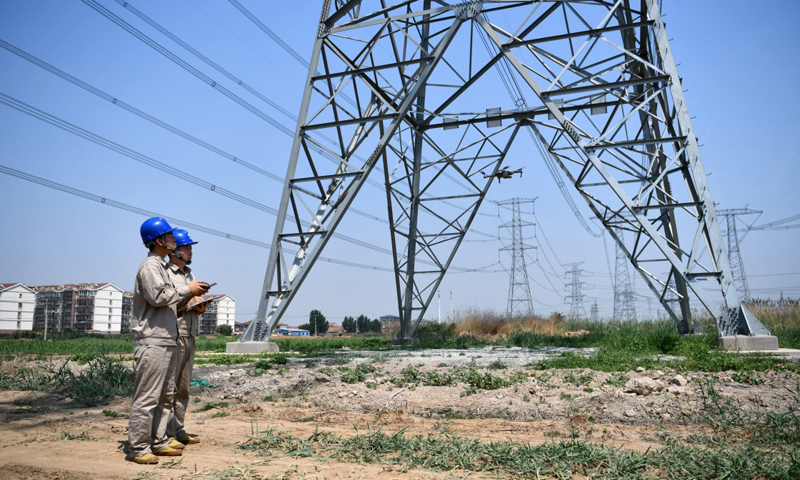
141, 158
180, 62
270, 33
515, 92
777, 224
305, 63
205, 59
251, 47
116, 101
147, 213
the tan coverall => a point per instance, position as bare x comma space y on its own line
154, 322
188, 329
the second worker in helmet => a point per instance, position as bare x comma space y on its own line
190, 311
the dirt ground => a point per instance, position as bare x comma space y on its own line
43, 436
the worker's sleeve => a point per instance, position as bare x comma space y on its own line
157, 290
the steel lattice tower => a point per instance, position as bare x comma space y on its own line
519, 290
734, 253
575, 287
594, 314
624, 308
404, 94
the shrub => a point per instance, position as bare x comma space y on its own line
226, 330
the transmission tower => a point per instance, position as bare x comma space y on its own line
734, 253
409, 91
574, 286
624, 308
595, 312
519, 290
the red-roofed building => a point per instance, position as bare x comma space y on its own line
334, 330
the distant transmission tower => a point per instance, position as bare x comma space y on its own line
576, 310
519, 290
623, 292
734, 254
595, 312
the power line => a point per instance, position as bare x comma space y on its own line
258, 52
774, 225
74, 129
305, 63
205, 59
270, 33
116, 101
171, 56
123, 206
186, 66
516, 95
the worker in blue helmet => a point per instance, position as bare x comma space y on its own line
189, 313
154, 322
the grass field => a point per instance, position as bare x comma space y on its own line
727, 439
473, 329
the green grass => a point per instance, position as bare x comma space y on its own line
88, 346
103, 379
320, 346
737, 459
212, 405
225, 359
622, 346
473, 380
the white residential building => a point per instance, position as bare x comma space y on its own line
17, 303
85, 307
222, 311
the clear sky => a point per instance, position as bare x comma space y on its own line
736, 59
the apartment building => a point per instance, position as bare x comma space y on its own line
84, 307
88, 307
222, 311
127, 309
17, 303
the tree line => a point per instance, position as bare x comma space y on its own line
318, 324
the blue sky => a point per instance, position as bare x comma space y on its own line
735, 58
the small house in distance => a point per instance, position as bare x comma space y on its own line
291, 331
390, 324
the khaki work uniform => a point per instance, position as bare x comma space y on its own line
188, 329
154, 322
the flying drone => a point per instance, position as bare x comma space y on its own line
504, 173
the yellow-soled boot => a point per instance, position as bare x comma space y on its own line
168, 452
189, 440
176, 444
145, 459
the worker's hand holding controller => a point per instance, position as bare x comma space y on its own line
198, 288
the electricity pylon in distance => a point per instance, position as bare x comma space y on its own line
734, 253
575, 297
519, 290
624, 308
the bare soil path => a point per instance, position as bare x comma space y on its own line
43, 436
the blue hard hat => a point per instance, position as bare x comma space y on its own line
153, 228
182, 238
